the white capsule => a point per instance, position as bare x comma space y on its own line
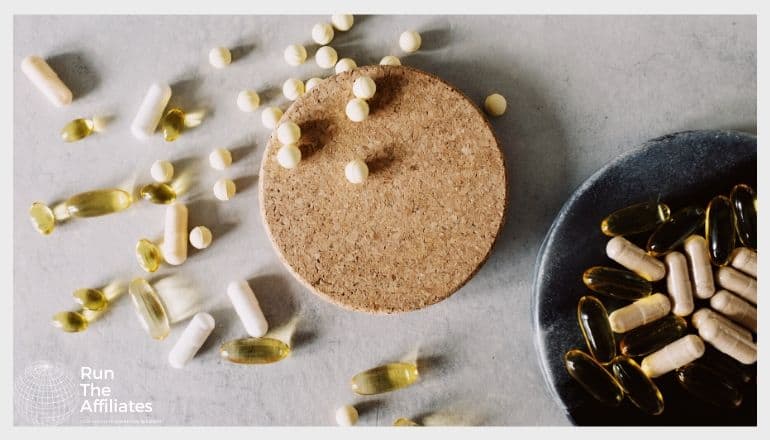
151, 110
390, 60
356, 171
322, 33
200, 237
346, 415
312, 82
345, 65
728, 342
162, 171
293, 89
410, 41
220, 158
640, 312
703, 314
220, 57
326, 57
738, 283
745, 260
342, 22
735, 308
248, 101
247, 307
288, 133
674, 355
46, 80
357, 110
634, 258
174, 245
271, 116
364, 87
288, 156
224, 189
678, 284
191, 340
295, 54
696, 248
495, 104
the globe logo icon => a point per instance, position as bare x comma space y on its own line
45, 394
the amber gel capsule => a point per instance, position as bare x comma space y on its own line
91, 299
148, 255
172, 124
98, 202
724, 365
385, 378
254, 350
720, 230
77, 129
635, 218
42, 218
70, 322
651, 337
744, 202
638, 387
592, 317
671, 234
709, 385
616, 283
158, 193
593, 377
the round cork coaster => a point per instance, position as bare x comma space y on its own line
425, 219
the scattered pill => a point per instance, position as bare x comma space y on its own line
736, 309
148, 255
364, 87
674, 355
326, 57
288, 133
149, 308
595, 326
745, 260
357, 110
616, 283
220, 158
70, 322
172, 124
42, 218
90, 299
738, 283
98, 202
150, 112
191, 340
346, 415
158, 193
220, 57
744, 201
697, 252
247, 308
162, 171
403, 421
385, 378
200, 237
634, 258
322, 33
312, 82
248, 101
271, 116
672, 233
703, 314
728, 342
345, 65
174, 248
709, 385
410, 41
254, 350
43, 77
224, 189
636, 218
356, 171
651, 337
77, 129
641, 391
679, 284
640, 312
593, 377
720, 230
342, 22
295, 54
495, 104
390, 60
293, 89
288, 156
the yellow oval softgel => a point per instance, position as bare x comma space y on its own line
71, 322
42, 218
91, 299
160, 193
172, 124
385, 378
403, 421
77, 129
98, 202
149, 308
254, 350
148, 255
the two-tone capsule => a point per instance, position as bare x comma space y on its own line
653, 336
385, 378
708, 385
671, 234
595, 326
720, 230
158, 193
744, 202
642, 391
635, 218
91, 299
593, 377
98, 202
616, 283
254, 350
149, 308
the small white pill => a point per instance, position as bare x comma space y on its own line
247, 308
322, 33
271, 116
703, 314
151, 110
390, 60
293, 89
357, 110
634, 258
162, 171
345, 65
745, 260
288, 133
326, 57
174, 245
342, 22
295, 54
200, 237
364, 87
738, 283
697, 252
678, 284
288, 156
728, 342
191, 340
220, 158
674, 355
220, 57
356, 171
312, 82
735, 308
410, 41
46, 80
639, 313
248, 101
346, 415
495, 104
224, 189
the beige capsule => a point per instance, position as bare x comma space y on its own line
635, 259
728, 342
674, 355
703, 314
738, 283
696, 248
735, 308
745, 260
639, 313
678, 284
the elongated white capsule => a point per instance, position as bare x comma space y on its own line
193, 337
729, 343
175, 234
151, 110
745, 260
674, 355
703, 314
678, 283
46, 80
696, 248
247, 308
635, 259
639, 313
735, 308
738, 283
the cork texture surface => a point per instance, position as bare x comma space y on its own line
425, 219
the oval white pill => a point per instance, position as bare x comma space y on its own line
326, 57
364, 87
162, 171
43, 77
345, 65
322, 33
634, 258
293, 88
174, 246
357, 110
271, 116
191, 340
220, 57
390, 60
356, 171
312, 82
410, 41
696, 248
342, 22
495, 104
149, 114
200, 237
224, 189
295, 54
248, 101
346, 415
247, 308
288, 156
288, 133
220, 158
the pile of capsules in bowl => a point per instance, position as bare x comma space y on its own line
709, 353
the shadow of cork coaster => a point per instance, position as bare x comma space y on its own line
425, 219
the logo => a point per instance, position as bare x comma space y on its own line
45, 394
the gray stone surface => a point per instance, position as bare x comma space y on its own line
580, 91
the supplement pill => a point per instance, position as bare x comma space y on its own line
248, 101
271, 116
149, 308
148, 255
385, 378
346, 415
288, 133
200, 237
357, 110
703, 314
593, 377
70, 322
254, 350
672, 233
738, 283
322, 33
697, 252
495, 104
342, 22
678, 284
172, 124
390, 60
345, 65
220, 57
634, 258
640, 312
642, 391
595, 326
98, 202
709, 385
674, 355
364, 87
295, 54
409, 41
728, 342
720, 230
174, 246
149, 113
158, 193
43, 77
312, 82
326, 57
247, 308
745, 260
90, 299
724, 365
616, 283
736, 309
744, 202
42, 218
220, 158
356, 171
403, 421
636, 218
288, 156
293, 89
191, 340
651, 337
77, 129
162, 171
224, 189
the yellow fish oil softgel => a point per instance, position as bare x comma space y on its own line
674, 355
616, 283
728, 342
697, 252
46, 80
77, 129
634, 258
158, 193
745, 260
71, 322
708, 385
91, 299
651, 337
635, 218
703, 314
738, 283
149, 308
679, 284
640, 312
254, 350
720, 229
593, 377
724, 365
172, 124
595, 326
42, 218
744, 202
98, 202
148, 255
385, 378
669, 235
736, 309
642, 391
403, 421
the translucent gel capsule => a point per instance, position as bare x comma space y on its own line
149, 308
593, 377
592, 317
77, 129
724, 365
90, 299
172, 124
159, 193
99, 202
744, 201
148, 255
617, 283
403, 421
720, 230
642, 391
669, 235
42, 218
70, 322
385, 378
707, 384
635, 218
651, 337
254, 350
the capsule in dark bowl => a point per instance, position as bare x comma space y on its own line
617, 283
592, 317
639, 388
593, 377
744, 201
635, 218
720, 230
709, 385
651, 337
669, 235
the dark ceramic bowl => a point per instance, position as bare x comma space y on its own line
682, 169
